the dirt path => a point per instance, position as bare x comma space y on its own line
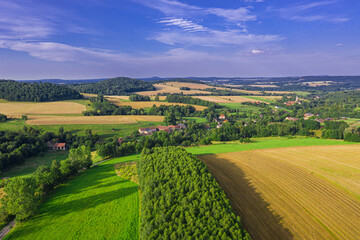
7, 229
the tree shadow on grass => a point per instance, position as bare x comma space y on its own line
257, 218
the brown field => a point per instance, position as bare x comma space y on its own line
88, 95
318, 83
149, 104
293, 193
21, 108
69, 120
264, 85
166, 88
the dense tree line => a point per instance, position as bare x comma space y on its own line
23, 195
102, 106
334, 129
35, 92
17, 146
137, 97
181, 199
115, 86
175, 98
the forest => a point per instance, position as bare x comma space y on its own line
35, 92
115, 86
181, 199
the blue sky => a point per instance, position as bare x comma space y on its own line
75, 39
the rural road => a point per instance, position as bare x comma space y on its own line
7, 229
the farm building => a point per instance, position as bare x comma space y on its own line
222, 117
308, 115
59, 146
291, 119
148, 130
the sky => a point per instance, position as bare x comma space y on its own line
78, 39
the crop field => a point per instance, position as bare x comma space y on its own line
166, 88
308, 192
16, 109
97, 204
69, 120
149, 104
236, 99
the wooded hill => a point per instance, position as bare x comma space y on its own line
35, 92
115, 86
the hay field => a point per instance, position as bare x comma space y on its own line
21, 108
70, 120
228, 99
293, 193
166, 88
149, 104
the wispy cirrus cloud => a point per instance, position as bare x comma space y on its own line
305, 12
175, 9
184, 24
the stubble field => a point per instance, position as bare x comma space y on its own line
149, 104
293, 193
69, 120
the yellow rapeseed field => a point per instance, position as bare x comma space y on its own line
293, 193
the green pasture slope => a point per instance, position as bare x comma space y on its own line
96, 204
30, 164
263, 143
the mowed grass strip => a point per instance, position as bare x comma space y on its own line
290, 193
97, 204
68, 120
149, 104
264, 143
60, 107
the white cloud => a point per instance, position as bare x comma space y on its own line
304, 12
339, 44
184, 24
234, 15
256, 51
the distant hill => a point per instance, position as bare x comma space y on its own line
115, 86
62, 81
35, 92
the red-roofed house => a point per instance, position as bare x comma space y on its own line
59, 146
222, 117
148, 130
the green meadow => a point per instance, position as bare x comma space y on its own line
96, 204
104, 131
263, 143
30, 164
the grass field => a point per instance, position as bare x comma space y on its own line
29, 166
69, 120
97, 204
264, 143
103, 130
149, 104
243, 108
293, 193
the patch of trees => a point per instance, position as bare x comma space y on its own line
3, 118
334, 129
35, 92
115, 86
174, 98
23, 195
137, 97
185, 88
181, 199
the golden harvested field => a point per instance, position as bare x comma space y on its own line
264, 85
227, 99
293, 193
149, 104
166, 88
69, 120
21, 108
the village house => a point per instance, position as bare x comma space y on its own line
59, 146
290, 103
148, 130
291, 119
222, 117
308, 115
